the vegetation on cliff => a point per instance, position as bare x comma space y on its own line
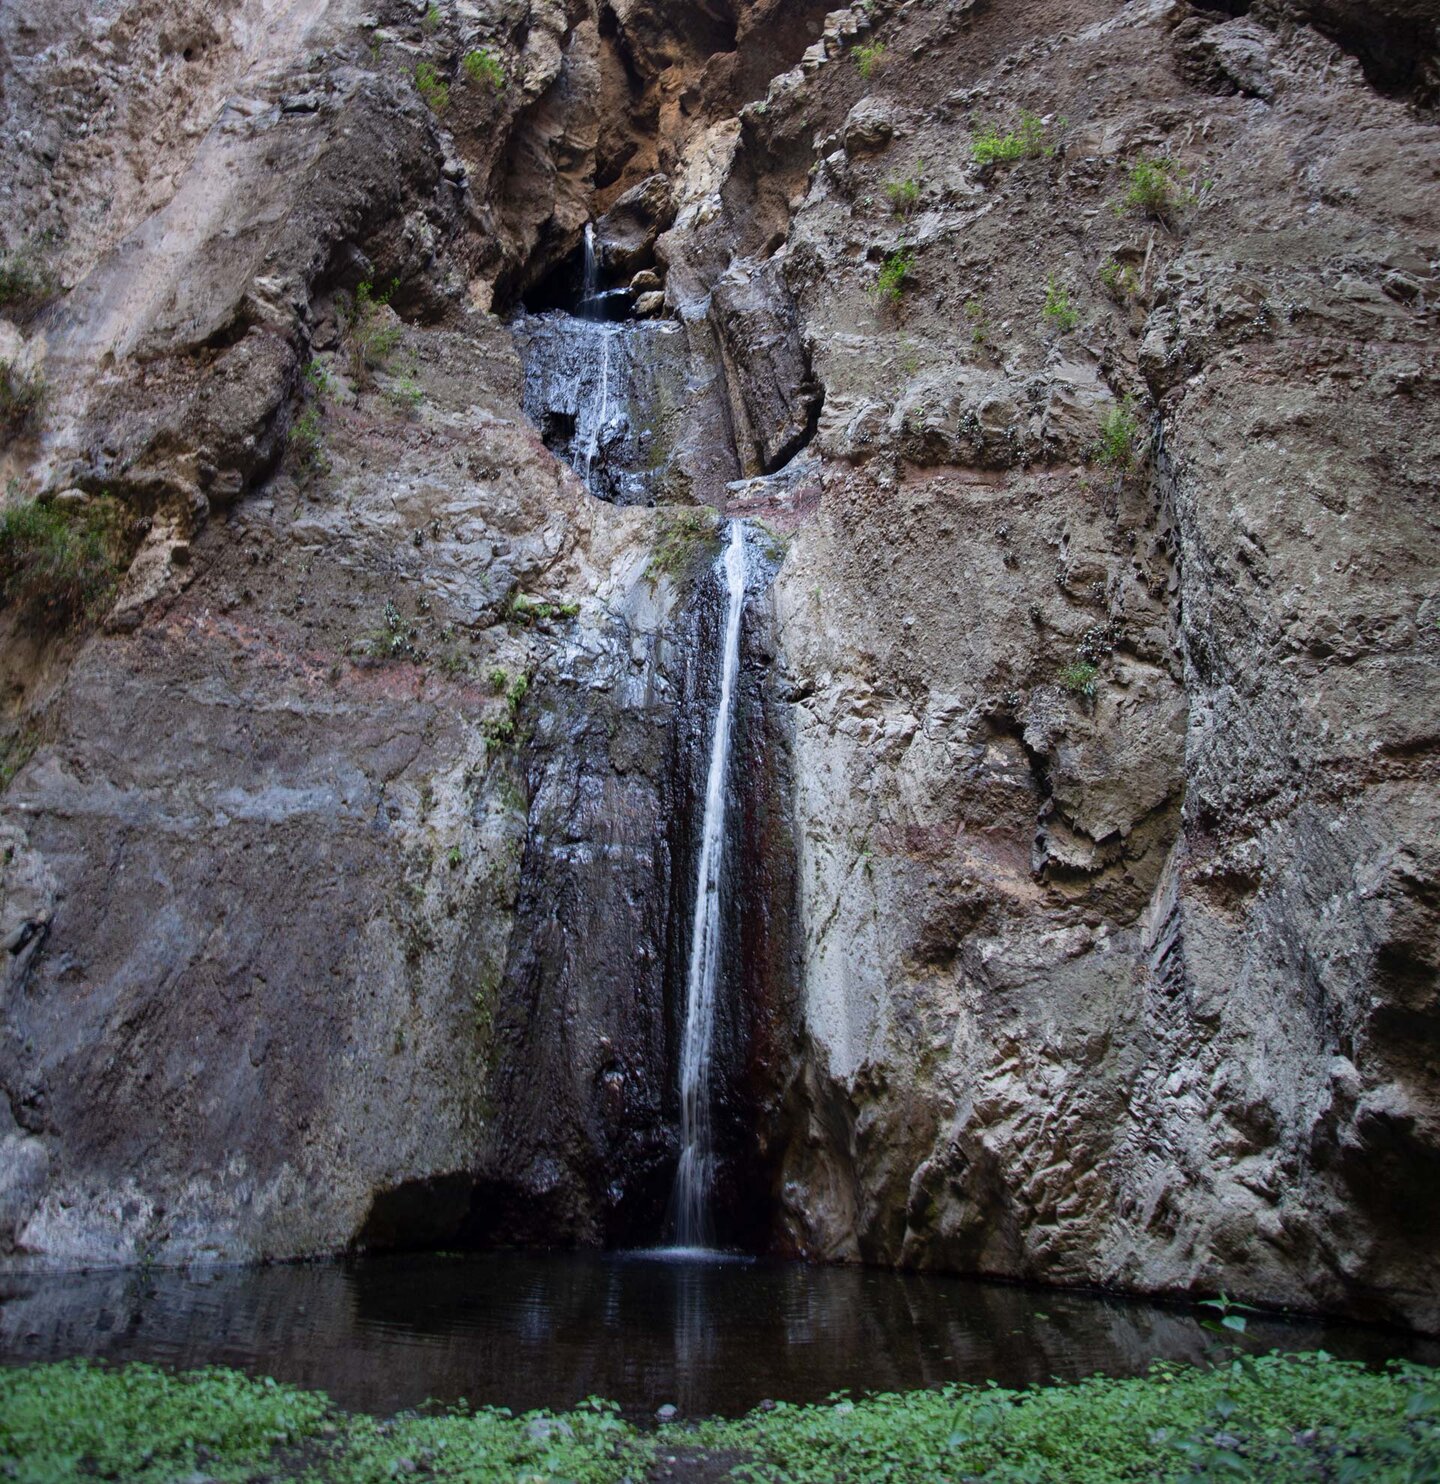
1274, 1417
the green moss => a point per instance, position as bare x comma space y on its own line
60, 564
1267, 1420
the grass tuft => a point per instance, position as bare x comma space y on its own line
59, 565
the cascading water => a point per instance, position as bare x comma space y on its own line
602, 390
690, 1204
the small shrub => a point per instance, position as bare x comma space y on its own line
59, 564
1119, 441
1153, 190
1119, 281
482, 66
904, 195
369, 335
22, 395
503, 730
988, 146
868, 58
893, 273
306, 444
1061, 313
431, 88
454, 857
1079, 678
979, 325
430, 21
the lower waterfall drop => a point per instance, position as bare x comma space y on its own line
690, 1203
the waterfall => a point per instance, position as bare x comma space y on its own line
590, 292
691, 1202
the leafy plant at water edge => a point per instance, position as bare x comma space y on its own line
893, 273
22, 395
61, 564
431, 87
1119, 441
1267, 1419
1058, 308
482, 66
868, 58
502, 730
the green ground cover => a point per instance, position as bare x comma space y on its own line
1260, 1418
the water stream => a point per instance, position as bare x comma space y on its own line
695, 1175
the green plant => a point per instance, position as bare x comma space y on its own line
454, 857
526, 610
502, 730
1058, 309
979, 324
22, 395
1079, 677
406, 394
431, 87
370, 336
1119, 281
1153, 190
988, 146
393, 638
868, 58
904, 195
482, 66
1119, 441
430, 21
61, 564
894, 271
306, 443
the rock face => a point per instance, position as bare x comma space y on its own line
1086, 924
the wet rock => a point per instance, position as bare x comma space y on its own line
629, 230
870, 126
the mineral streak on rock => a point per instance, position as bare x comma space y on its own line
1086, 742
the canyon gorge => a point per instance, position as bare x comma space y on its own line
1067, 375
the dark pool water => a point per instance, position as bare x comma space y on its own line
547, 1330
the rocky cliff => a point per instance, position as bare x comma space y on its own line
1078, 359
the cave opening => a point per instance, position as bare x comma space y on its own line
567, 288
